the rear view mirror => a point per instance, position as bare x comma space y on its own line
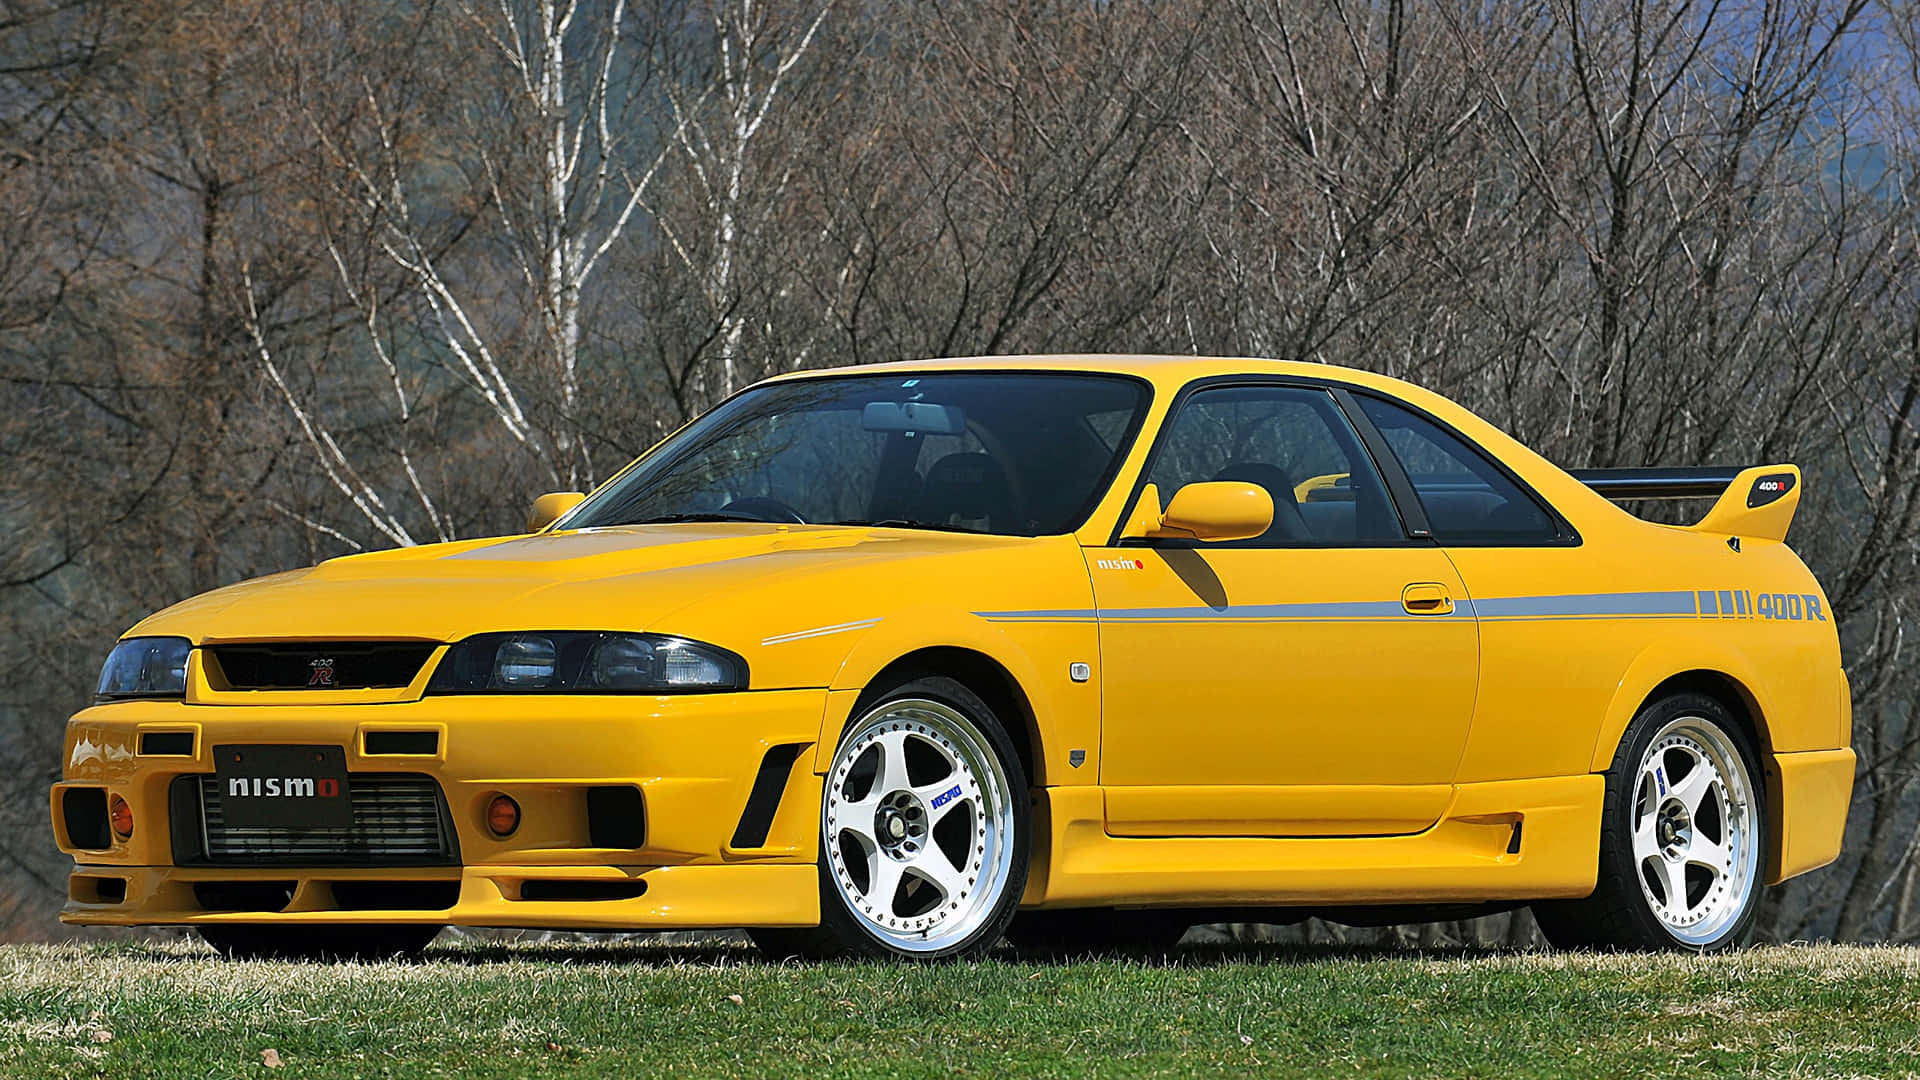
1213, 511
551, 507
922, 416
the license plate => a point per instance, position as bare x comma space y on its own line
288, 787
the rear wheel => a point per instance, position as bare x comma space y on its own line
255, 941
1682, 856
924, 832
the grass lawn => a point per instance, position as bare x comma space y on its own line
640, 1010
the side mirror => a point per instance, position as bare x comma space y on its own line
549, 508
1216, 510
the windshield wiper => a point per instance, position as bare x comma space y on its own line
909, 523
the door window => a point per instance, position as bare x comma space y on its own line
1292, 441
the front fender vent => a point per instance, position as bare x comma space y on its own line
764, 801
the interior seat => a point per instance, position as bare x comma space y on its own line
967, 489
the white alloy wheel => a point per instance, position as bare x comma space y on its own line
917, 826
1695, 844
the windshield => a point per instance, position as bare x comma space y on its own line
1015, 454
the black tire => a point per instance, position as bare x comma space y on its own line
1620, 914
258, 941
1081, 931
842, 932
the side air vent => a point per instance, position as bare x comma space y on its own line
319, 665
84, 811
562, 889
166, 743
616, 817
243, 895
764, 800
403, 742
85, 889
395, 895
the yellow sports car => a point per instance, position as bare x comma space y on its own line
902, 659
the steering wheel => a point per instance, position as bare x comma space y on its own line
763, 508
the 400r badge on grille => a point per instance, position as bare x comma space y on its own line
905, 659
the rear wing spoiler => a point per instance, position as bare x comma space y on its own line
1756, 502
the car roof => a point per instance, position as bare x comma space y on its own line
1162, 370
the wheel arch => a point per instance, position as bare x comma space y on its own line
1655, 676
1725, 689
1662, 668
978, 672
973, 651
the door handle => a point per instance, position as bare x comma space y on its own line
1426, 598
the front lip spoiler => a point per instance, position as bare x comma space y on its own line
699, 897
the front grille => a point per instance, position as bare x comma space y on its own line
320, 665
399, 819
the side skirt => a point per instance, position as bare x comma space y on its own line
1462, 858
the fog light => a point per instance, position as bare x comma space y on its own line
503, 816
121, 815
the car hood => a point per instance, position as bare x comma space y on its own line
628, 578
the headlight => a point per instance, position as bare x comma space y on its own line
525, 662
585, 662
146, 667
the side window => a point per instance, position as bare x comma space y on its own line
1467, 498
1292, 441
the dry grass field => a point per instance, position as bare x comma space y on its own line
635, 1010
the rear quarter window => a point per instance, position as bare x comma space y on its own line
1467, 498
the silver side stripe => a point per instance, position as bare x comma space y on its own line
819, 631
1635, 605
1632, 605
1058, 615
1339, 611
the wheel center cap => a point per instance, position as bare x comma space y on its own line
900, 825
1674, 829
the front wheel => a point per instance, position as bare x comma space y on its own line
924, 832
1682, 838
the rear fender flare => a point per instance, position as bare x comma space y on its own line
1665, 657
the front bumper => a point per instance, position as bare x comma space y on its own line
694, 760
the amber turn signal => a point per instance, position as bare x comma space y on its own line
503, 816
121, 815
